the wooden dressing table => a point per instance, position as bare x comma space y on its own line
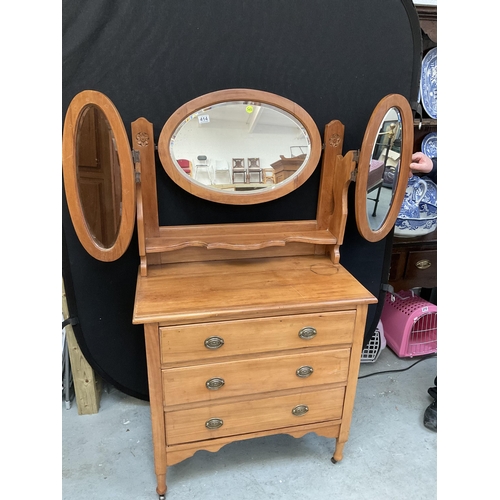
251, 329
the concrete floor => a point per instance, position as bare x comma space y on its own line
389, 455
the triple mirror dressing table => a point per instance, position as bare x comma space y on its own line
251, 329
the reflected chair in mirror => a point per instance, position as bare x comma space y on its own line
375, 178
239, 171
391, 161
222, 173
202, 170
185, 165
254, 170
268, 176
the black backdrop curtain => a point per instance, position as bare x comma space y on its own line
336, 59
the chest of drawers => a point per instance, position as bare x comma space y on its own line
242, 349
251, 328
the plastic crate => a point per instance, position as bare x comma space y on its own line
375, 345
410, 324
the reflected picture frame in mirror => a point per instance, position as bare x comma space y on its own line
238, 157
98, 176
383, 167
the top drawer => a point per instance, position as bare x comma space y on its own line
210, 341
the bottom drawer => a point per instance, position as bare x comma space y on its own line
229, 419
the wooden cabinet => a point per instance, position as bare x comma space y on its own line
258, 347
251, 329
414, 262
285, 167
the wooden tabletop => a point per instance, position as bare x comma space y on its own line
246, 288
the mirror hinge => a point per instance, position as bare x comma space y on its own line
136, 157
355, 159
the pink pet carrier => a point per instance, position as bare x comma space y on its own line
410, 324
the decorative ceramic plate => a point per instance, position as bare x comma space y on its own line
429, 145
428, 83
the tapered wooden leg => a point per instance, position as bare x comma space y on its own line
156, 405
161, 482
352, 380
338, 454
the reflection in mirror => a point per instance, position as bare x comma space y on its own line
98, 176
384, 169
240, 147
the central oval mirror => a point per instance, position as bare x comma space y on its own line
240, 146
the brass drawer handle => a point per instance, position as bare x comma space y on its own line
214, 342
423, 264
304, 371
307, 333
214, 383
214, 423
300, 410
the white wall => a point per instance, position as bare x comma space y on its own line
223, 143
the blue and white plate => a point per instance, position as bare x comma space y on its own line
430, 145
428, 83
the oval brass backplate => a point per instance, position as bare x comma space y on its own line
215, 383
304, 371
423, 264
300, 410
307, 333
214, 342
214, 423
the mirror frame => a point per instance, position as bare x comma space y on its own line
371, 134
231, 95
69, 145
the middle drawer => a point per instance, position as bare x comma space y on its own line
251, 376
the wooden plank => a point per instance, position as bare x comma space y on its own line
253, 416
224, 290
242, 241
238, 377
86, 382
